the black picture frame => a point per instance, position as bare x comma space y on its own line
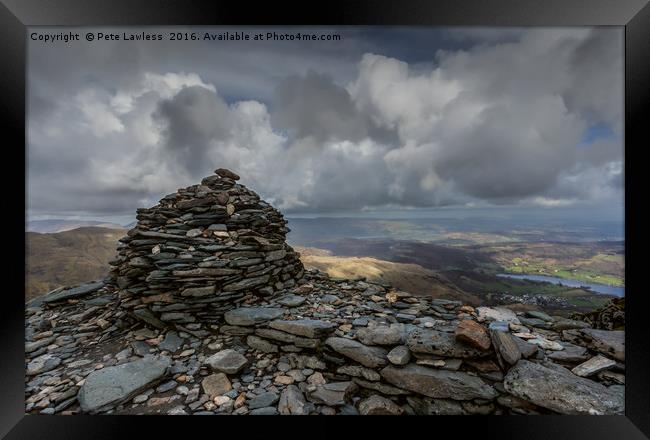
16, 15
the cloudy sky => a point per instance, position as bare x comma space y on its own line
385, 118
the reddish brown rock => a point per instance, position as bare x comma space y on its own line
474, 334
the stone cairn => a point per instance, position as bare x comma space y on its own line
208, 311
200, 250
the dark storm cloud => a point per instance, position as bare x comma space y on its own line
195, 117
314, 105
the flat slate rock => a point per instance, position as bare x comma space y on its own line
247, 316
556, 388
440, 384
113, 385
309, 328
506, 345
594, 365
399, 355
371, 357
571, 354
497, 314
75, 292
263, 400
42, 363
333, 394
227, 361
291, 300
442, 344
171, 343
608, 342
527, 350
292, 402
435, 407
381, 334
376, 405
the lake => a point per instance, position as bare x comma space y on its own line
598, 288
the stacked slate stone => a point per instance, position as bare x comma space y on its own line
201, 250
324, 346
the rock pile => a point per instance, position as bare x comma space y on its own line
200, 250
208, 311
325, 346
609, 317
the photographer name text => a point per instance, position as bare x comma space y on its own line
68, 37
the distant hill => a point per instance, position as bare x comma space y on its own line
68, 257
412, 278
60, 225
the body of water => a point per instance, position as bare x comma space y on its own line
597, 288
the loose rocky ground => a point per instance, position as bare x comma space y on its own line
324, 346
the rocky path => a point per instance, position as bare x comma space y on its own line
325, 346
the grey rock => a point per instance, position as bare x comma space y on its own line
268, 411
292, 402
246, 283
359, 371
113, 385
399, 355
360, 322
502, 326
348, 410
171, 343
568, 324
263, 400
441, 343
435, 407
381, 335
247, 316
198, 292
43, 363
304, 361
536, 322
571, 354
31, 347
380, 387
557, 389
506, 346
377, 405
291, 300
288, 338
227, 361
371, 357
440, 384
607, 342
140, 348
194, 233
527, 350
405, 317
148, 317
261, 344
216, 384
309, 328
594, 365
75, 292
276, 255
223, 172
328, 299
177, 411
333, 394
169, 385
497, 314
539, 315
